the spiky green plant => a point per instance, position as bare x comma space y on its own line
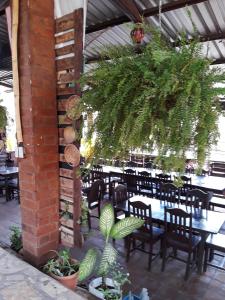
164, 98
94, 261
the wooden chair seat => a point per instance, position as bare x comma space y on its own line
183, 244
214, 242
157, 234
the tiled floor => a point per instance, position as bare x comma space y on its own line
9, 215
162, 286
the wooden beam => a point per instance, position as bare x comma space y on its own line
149, 12
130, 9
202, 39
219, 61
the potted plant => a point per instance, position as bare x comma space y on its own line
16, 242
101, 262
164, 98
63, 268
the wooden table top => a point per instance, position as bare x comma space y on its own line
202, 220
9, 171
213, 183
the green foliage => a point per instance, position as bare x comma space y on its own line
164, 98
16, 242
3, 116
109, 230
62, 265
88, 264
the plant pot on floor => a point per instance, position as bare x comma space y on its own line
96, 284
68, 281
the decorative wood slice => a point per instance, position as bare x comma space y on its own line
66, 183
72, 110
70, 135
72, 155
66, 207
67, 223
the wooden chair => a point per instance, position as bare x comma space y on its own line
130, 171
164, 177
198, 199
120, 195
12, 188
169, 193
144, 174
147, 234
94, 198
131, 183
146, 186
179, 236
214, 242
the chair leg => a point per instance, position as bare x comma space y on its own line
211, 255
89, 221
206, 259
150, 258
128, 243
164, 251
188, 267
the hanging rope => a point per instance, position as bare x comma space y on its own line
160, 15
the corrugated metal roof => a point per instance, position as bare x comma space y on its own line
208, 17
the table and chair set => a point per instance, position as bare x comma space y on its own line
178, 219
9, 183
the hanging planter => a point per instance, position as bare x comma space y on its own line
164, 99
137, 34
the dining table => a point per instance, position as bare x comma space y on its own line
8, 172
213, 184
204, 222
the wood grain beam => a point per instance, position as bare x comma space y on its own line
130, 9
153, 11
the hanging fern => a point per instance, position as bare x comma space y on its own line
162, 99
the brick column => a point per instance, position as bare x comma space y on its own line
38, 171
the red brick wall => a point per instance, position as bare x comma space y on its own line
39, 175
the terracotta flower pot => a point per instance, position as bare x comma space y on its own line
68, 281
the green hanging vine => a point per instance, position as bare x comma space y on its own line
162, 99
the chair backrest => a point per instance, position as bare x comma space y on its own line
131, 164
198, 199
148, 165
178, 225
144, 174
96, 192
130, 180
97, 168
185, 179
164, 177
140, 210
169, 192
119, 194
130, 171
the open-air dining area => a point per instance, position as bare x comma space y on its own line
112, 149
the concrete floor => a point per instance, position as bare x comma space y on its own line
169, 285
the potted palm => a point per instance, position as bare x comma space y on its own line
101, 262
63, 268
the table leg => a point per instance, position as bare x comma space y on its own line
201, 250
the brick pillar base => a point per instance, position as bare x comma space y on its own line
39, 176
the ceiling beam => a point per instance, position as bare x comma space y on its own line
6, 85
202, 39
149, 12
130, 9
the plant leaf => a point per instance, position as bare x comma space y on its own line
125, 227
87, 264
108, 258
107, 220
